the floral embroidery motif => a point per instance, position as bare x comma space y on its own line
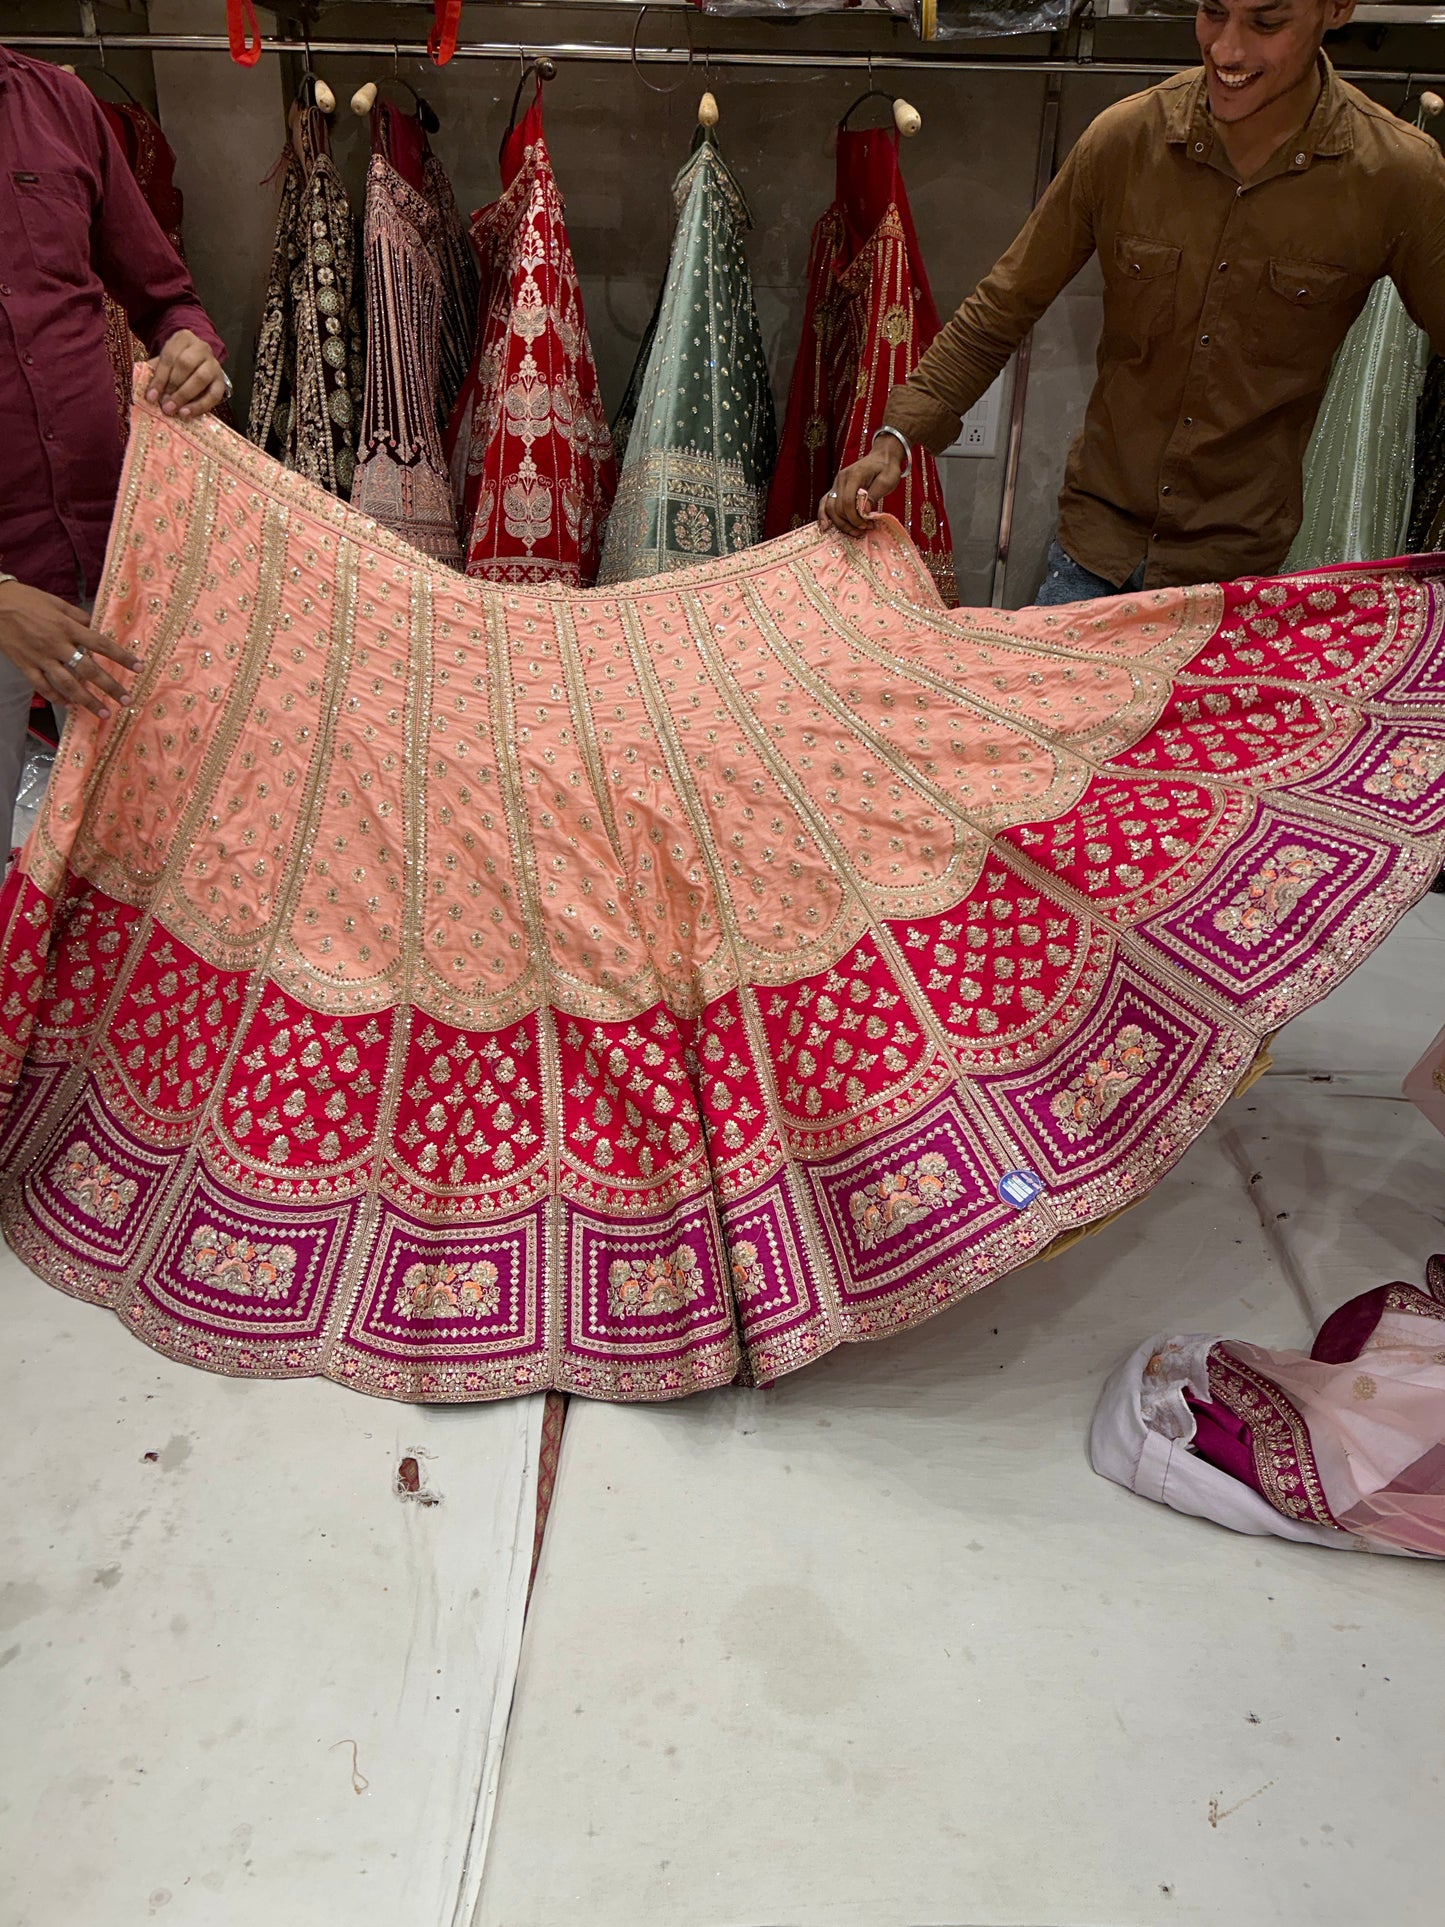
900, 1198
451, 1291
1083, 1105
692, 530
1271, 894
95, 1187
237, 1265
1412, 766
654, 1285
748, 1275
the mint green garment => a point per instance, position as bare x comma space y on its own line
1360, 464
698, 421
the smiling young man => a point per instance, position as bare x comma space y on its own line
1241, 213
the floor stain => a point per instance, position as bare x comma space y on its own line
107, 1576
20, 1599
1218, 1813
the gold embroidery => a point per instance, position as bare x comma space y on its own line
900, 1198
1084, 1104
653, 1285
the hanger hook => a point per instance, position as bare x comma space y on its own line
637, 65
1409, 89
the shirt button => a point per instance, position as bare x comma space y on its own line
1199, 147
1222, 266
50, 434
29, 361
1165, 489
4, 287
1299, 160
1239, 194
1204, 341
1189, 421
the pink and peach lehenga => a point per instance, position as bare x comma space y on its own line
460, 989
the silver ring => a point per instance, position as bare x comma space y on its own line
73, 661
832, 495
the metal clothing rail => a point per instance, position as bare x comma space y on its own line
509, 50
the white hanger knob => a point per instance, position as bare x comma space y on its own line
364, 99
707, 111
906, 118
1432, 105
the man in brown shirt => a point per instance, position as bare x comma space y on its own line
1241, 214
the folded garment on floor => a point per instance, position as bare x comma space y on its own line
1342, 1446
461, 989
1425, 1085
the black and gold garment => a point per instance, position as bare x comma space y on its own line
306, 398
1427, 517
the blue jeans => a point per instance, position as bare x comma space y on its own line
1066, 580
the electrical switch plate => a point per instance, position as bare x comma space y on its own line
978, 433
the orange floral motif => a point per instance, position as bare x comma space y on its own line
654, 1284
1408, 771
1083, 1105
1271, 893
747, 1271
237, 1265
900, 1198
451, 1291
89, 1182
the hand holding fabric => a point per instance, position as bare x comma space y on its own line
56, 649
861, 489
187, 380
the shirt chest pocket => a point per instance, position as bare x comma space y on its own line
1140, 292
1302, 313
55, 214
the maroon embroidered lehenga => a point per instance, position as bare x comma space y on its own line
421, 305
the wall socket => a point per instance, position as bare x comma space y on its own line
978, 434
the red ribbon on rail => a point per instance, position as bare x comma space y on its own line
442, 41
240, 22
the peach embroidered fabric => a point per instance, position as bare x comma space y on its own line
460, 990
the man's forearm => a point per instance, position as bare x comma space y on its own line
967, 356
971, 350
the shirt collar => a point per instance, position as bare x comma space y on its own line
1329, 129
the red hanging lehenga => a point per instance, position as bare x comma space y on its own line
868, 319
531, 450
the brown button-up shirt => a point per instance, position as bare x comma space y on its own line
1224, 304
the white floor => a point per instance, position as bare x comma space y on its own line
876, 1647
243, 1683
872, 1648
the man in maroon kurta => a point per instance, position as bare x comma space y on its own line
73, 226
